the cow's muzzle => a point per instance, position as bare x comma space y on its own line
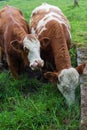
37, 64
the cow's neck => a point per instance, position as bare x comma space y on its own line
60, 51
62, 58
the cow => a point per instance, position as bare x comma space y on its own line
17, 44
53, 31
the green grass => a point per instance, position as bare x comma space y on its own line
33, 105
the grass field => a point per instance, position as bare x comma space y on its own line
30, 104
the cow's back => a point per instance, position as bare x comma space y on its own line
10, 15
43, 15
41, 12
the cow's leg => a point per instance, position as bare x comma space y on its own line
14, 71
13, 66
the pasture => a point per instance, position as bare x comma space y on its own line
30, 104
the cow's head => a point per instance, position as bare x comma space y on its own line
67, 80
32, 44
29, 50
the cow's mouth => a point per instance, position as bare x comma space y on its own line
37, 65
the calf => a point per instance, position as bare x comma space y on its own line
53, 31
21, 48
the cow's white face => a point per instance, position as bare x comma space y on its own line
33, 45
68, 81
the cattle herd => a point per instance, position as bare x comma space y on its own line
44, 44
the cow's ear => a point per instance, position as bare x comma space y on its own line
16, 45
81, 68
51, 76
44, 42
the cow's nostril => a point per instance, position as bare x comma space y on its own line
36, 61
38, 64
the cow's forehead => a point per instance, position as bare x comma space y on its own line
31, 43
69, 76
31, 36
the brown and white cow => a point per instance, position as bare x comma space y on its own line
53, 31
20, 47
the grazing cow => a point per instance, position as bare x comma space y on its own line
21, 48
53, 31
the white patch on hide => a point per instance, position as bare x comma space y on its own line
46, 7
34, 49
68, 81
41, 26
32, 31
